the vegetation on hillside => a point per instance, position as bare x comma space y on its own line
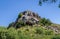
45, 22
28, 32
19, 15
19, 29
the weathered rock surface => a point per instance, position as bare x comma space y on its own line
26, 17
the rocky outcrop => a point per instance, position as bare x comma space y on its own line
56, 29
28, 18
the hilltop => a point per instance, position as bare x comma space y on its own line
26, 18
29, 18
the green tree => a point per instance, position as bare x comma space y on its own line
45, 21
48, 22
20, 14
41, 2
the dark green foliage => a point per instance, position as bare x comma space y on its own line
20, 24
59, 6
19, 16
8, 34
41, 2
45, 22
52, 1
56, 37
48, 22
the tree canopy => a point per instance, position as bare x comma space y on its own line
41, 2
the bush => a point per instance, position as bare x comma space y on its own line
12, 33
20, 24
44, 31
8, 34
19, 16
45, 22
49, 32
39, 31
56, 37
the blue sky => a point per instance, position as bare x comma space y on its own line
9, 10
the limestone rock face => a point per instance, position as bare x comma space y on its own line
28, 18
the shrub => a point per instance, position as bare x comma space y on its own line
49, 32
39, 31
20, 24
11, 33
19, 16
45, 22
56, 37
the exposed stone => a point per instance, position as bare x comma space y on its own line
28, 18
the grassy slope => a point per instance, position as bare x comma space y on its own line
27, 32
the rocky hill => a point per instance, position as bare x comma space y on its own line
26, 18
29, 18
